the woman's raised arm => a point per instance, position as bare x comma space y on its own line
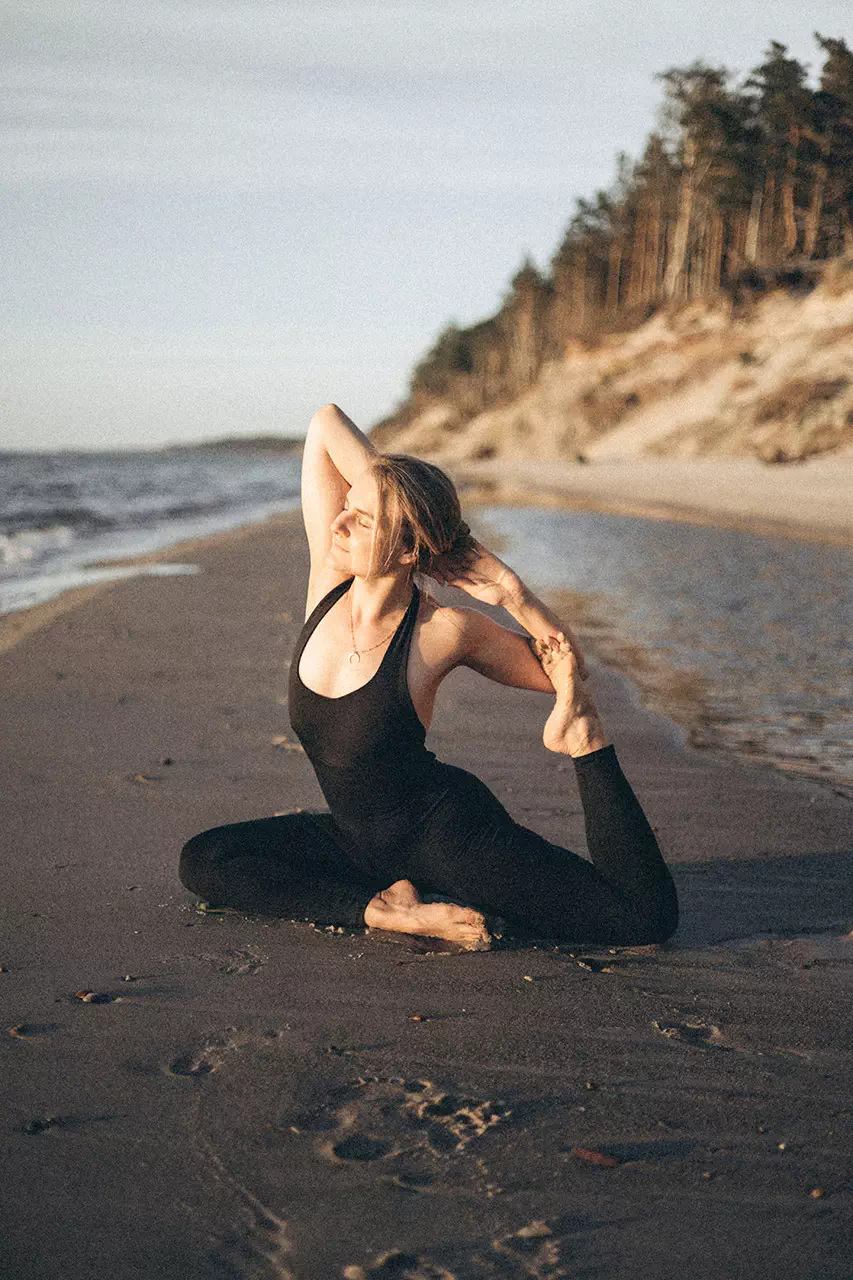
488, 579
335, 454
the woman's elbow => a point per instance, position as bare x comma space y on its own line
326, 411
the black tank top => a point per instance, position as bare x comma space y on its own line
367, 747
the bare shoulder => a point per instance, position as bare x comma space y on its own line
447, 630
453, 637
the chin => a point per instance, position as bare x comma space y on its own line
343, 562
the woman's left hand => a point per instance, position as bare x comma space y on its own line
487, 578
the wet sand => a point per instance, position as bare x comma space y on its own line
254, 1098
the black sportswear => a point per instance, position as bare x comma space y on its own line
395, 812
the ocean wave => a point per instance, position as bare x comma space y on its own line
29, 535
64, 508
186, 510
26, 545
44, 519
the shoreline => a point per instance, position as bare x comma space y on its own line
662, 489
663, 698
20, 623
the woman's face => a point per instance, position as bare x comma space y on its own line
352, 529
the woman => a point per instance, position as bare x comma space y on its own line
367, 666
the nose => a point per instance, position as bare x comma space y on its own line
339, 525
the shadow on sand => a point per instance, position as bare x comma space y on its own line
737, 899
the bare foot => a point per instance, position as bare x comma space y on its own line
401, 909
573, 727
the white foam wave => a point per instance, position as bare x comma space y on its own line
26, 545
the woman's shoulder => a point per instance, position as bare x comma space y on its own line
447, 629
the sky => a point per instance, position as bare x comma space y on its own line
220, 214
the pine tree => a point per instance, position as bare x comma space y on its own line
831, 205
523, 322
708, 122
782, 113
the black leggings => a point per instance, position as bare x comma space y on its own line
466, 848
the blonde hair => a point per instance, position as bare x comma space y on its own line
418, 511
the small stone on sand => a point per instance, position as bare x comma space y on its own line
594, 1157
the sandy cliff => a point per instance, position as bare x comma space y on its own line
773, 379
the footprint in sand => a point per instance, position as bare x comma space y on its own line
27, 1030
702, 1035
398, 1266
193, 1064
41, 1124
359, 1147
531, 1253
237, 960
377, 1117
452, 1122
202, 1061
213, 1052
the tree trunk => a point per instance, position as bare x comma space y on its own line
846, 230
638, 256
767, 224
676, 272
715, 253
695, 283
811, 228
789, 221
614, 274
559, 313
652, 258
815, 209
753, 227
579, 293
734, 237
492, 375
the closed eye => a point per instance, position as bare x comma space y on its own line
365, 520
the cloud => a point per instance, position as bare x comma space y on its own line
249, 92
172, 163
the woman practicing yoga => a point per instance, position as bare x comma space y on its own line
402, 826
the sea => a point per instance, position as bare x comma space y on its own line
63, 514
744, 640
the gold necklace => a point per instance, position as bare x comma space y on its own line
355, 655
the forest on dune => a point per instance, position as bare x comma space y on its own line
745, 186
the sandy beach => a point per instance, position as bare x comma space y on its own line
812, 500
248, 1097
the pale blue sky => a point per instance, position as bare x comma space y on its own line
221, 213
